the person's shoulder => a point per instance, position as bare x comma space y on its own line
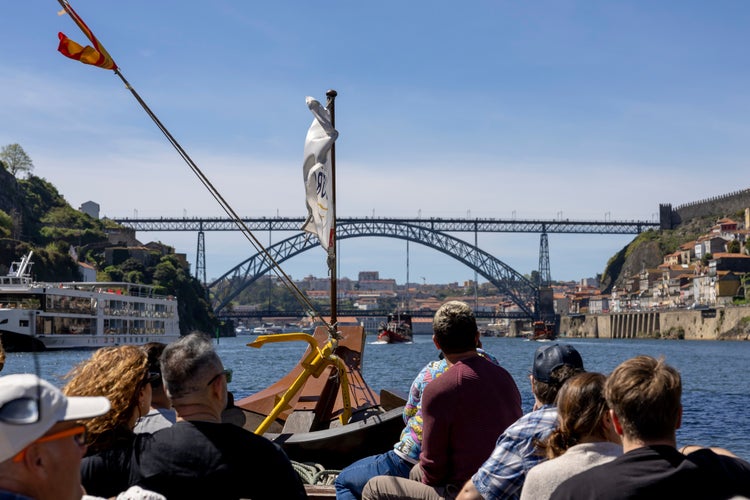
547, 413
710, 460
431, 371
584, 484
489, 357
537, 421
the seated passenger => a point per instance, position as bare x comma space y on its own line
161, 414
644, 395
464, 411
584, 437
503, 473
121, 375
41, 439
199, 456
405, 454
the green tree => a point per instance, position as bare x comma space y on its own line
110, 273
6, 224
66, 224
15, 159
733, 246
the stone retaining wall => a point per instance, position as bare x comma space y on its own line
722, 323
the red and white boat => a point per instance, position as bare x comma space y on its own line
396, 329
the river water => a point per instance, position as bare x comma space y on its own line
716, 394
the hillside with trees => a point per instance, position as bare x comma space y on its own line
35, 216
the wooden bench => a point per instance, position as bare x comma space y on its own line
320, 492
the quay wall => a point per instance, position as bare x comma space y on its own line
721, 323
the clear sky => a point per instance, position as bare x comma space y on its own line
528, 109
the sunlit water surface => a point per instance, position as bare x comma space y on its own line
716, 392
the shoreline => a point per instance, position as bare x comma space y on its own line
719, 323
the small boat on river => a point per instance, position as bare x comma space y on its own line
267, 329
81, 315
543, 331
396, 330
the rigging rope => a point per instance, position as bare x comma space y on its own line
257, 245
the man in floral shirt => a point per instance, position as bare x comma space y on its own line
405, 453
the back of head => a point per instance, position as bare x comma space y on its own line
188, 364
553, 365
645, 395
30, 406
455, 327
153, 352
581, 407
117, 372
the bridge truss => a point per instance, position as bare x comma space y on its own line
519, 289
198, 224
430, 232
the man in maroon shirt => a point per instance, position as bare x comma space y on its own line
464, 412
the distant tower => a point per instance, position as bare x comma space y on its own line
544, 278
200, 258
665, 216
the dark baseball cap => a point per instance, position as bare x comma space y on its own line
549, 357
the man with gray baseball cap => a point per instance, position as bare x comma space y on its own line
42, 439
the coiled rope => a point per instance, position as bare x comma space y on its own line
312, 473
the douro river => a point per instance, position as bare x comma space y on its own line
716, 389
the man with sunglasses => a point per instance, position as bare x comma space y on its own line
200, 456
41, 438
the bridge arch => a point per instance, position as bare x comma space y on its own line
519, 289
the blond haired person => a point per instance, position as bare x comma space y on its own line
121, 374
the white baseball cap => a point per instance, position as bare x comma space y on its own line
30, 406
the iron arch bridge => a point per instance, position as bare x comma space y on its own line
520, 290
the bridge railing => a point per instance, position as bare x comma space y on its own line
259, 314
434, 224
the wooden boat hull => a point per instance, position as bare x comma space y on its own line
389, 337
309, 429
337, 447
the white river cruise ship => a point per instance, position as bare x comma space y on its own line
81, 315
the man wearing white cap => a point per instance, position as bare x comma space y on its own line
41, 439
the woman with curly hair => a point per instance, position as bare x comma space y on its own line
585, 436
121, 374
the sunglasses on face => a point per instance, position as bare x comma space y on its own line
227, 373
153, 378
78, 433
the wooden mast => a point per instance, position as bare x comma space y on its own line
330, 105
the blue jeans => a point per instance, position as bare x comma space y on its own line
352, 479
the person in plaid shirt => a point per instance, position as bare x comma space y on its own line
503, 473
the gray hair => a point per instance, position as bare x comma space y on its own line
188, 364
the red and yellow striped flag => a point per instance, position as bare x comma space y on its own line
96, 55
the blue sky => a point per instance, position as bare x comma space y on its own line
530, 109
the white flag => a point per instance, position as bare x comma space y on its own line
317, 174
